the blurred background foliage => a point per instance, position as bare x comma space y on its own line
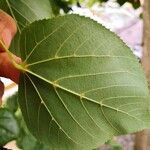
66, 4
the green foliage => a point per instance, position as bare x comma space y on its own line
28, 142
23, 138
9, 129
12, 103
25, 12
85, 82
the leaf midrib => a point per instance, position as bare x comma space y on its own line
55, 85
53, 118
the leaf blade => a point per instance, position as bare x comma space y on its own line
82, 73
9, 129
25, 12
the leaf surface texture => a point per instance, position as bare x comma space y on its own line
81, 84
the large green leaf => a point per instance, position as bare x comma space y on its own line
9, 129
25, 12
80, 84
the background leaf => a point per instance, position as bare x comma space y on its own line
12, 103
25, 12
28, 142
81, 84
25, 140
9, 128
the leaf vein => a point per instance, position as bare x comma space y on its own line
131, 104
94, 74
78, 56
32, 10
92, 117
86, 98
38, 93
21, 14
58, 95
50, 34
74, 32
38, 120
26, 101
109, 87
111, 125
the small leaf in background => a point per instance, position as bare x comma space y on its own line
25, 12
81, 84
30, 143
12, 103
25, 140
9, 129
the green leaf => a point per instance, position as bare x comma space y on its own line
30, 143
80, 84
12, 103
25, 12
9, 129
25, 140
